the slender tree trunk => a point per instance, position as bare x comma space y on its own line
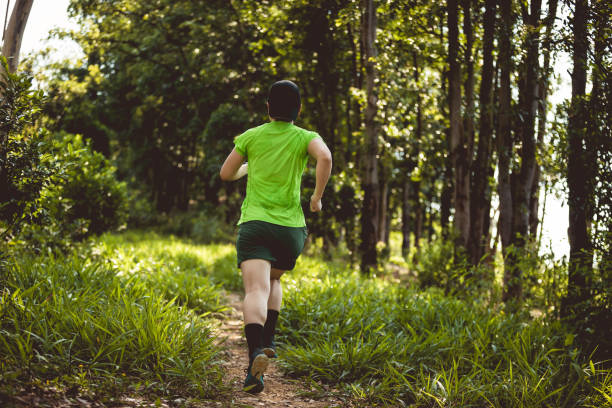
479, 211
581, 256
388, 218
14, 32
504, 144
354, 121
418, 214
430, 218
446, 195
406, 216
458, 146
525, 132
416, 185
528, 100
542, 111
384, 203
371, 200
468, 114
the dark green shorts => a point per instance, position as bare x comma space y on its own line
276, 243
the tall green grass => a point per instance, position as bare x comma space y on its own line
134, 320
174, 267
387, 345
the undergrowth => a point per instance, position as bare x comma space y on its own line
132, 313
111, 318
384, 344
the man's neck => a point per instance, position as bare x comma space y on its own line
274, 120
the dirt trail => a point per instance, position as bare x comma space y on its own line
279, 390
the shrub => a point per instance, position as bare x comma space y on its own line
22, 174
84, 197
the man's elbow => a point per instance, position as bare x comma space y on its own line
224, 175
325, 158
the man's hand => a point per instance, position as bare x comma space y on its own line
315, 203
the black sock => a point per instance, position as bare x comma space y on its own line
269, 327
253, 332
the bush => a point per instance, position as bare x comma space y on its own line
22, 175
434, 264
141, 210
84, 197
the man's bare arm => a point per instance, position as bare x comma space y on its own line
233, 168
320, 152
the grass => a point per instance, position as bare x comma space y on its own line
158, 259
384, 344
135, 312
119, 317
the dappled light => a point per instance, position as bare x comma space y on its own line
330, 203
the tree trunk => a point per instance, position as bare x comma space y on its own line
458, 148
479, 211
406, 216
542, 111
416, 185
528, 100
446, 197
468, 86
430, 218
14, 32
581, 257
522, 180
384, 203
418, 214
371, 191
388, 219
504, 147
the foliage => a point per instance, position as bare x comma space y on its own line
82, 198
217, 140
22, 171
178, 259
434, 266
203, 226
155, 74
81, 323
387, 345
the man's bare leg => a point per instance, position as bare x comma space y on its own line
256, 278
276, 291
274, 304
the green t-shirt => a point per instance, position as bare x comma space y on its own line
277, 153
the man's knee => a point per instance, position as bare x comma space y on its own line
258, 288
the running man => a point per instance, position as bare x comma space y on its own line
272, 228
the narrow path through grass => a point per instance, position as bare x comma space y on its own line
280, 390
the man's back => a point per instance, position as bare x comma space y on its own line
277, 153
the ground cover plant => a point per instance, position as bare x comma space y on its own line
385, 344
95, 325
160, 258
133, 313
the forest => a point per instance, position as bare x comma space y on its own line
424, 281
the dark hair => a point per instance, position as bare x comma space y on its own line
284, 101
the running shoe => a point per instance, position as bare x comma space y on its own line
254, 382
